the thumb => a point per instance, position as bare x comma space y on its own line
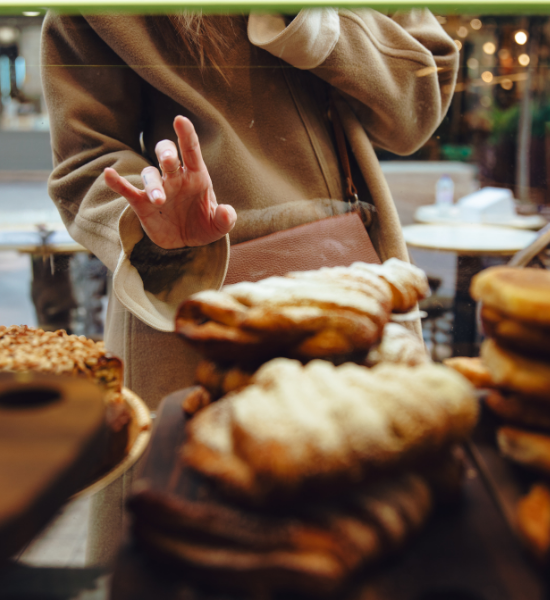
224, 218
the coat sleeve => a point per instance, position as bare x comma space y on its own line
398, 73
96, 109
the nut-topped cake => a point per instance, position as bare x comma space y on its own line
24, 348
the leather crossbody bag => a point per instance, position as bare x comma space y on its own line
334, 241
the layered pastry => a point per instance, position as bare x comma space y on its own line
336, 314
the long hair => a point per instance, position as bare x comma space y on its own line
206, 38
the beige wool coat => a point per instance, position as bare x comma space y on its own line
115, 83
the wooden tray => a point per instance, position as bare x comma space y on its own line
139, 436
466, 553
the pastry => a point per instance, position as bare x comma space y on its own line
24, 348
398, 345
297, 427
513, 371
474, 369
533, 521
521, 410
521, 294
516, 335
525, 448
312, 549
336, 314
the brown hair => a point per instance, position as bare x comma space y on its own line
206, 38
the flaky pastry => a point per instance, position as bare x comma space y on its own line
295, 426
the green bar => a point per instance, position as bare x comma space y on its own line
469, 7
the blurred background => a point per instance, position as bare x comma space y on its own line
497, 133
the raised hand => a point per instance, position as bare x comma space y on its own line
179, 208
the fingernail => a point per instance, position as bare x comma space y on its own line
157, 195
166, 155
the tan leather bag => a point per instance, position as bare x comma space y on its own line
336, 241
332, 242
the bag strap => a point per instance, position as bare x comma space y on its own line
351, 190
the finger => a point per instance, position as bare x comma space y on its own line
188, 141
152, 182
167, 155
123, 187
225, 218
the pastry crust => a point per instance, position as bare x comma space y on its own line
522, 294
314, 549
521, 410
296, 426
474, 369
533, 521
333, 313
24, 348
515, 372
527, 338
529, 449
398, 345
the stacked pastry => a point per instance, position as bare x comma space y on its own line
516, 317
515, 365
321, 469
338, 314
24, 348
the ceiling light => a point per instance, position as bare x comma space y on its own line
487, 76
489, 48
475, 24
8, 36
462, 31
524, 60
507, 84
520, 37
472, 63
458, 44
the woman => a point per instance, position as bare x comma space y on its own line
123, 90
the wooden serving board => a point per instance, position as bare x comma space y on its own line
52, 429
466, 553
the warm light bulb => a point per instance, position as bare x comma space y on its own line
487, 76
507, 84
475, 24
524, 60
462, 31
520, 37
489, 48
472, 63
458, 44
503, 53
